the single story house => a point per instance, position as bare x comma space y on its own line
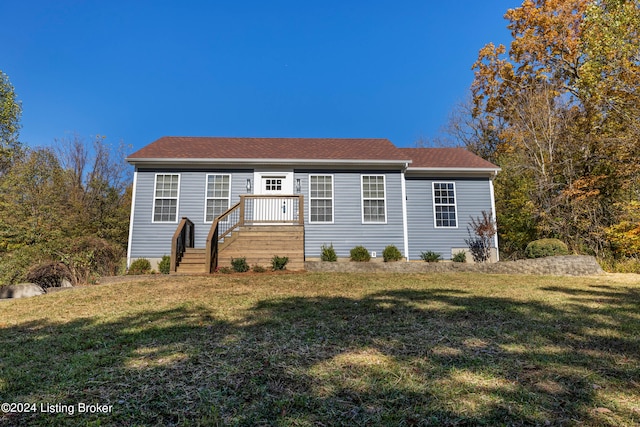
200, 193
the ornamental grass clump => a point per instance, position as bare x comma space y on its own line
258, 269
430, 256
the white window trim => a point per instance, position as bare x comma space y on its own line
206, 187
384, 183
153, 207
455, 204
333, 201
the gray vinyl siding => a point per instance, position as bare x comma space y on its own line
347, 229
153, 240
472, 197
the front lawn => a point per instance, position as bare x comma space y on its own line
328, 349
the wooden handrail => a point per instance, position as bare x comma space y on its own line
211, 257
234, 218
182, 239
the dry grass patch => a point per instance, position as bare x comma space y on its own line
329, 349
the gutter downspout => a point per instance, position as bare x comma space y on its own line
405, 226
493, 213
133, 208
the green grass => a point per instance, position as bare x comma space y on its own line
329, 349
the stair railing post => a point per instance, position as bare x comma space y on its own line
182, 238
300, 209
242, 203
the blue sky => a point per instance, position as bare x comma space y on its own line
137, 70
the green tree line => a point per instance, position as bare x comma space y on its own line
65, 206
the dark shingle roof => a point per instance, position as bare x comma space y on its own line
455, 158
173, 148
213, 148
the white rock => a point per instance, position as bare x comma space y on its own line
21, 290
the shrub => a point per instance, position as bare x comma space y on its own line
279, 263
258, 269
391, 253
480, 243
360, 254
225, 270
430, 256
621, 265
239, 265
546, 247
459, 257
49, 274
328, 253
91, 257
140, 266
164, 266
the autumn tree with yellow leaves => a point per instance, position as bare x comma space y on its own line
559, 111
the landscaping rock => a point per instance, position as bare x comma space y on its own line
21, 290
569, 265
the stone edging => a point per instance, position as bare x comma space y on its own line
570, 265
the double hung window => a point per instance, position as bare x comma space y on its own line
444, 204
374, 208
165, 198
218, 196
321, 198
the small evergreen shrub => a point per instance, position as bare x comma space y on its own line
459, 257
328, 253
430, 256
258, 269
140, 266
360, 254
225, 270
546, 247
239, 265
279, 262
165, 265
391, 253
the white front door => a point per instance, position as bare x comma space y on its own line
274, 209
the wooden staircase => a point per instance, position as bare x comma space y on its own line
241, 232
260, 243
192, 262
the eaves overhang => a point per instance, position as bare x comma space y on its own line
191, 162
452, 171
